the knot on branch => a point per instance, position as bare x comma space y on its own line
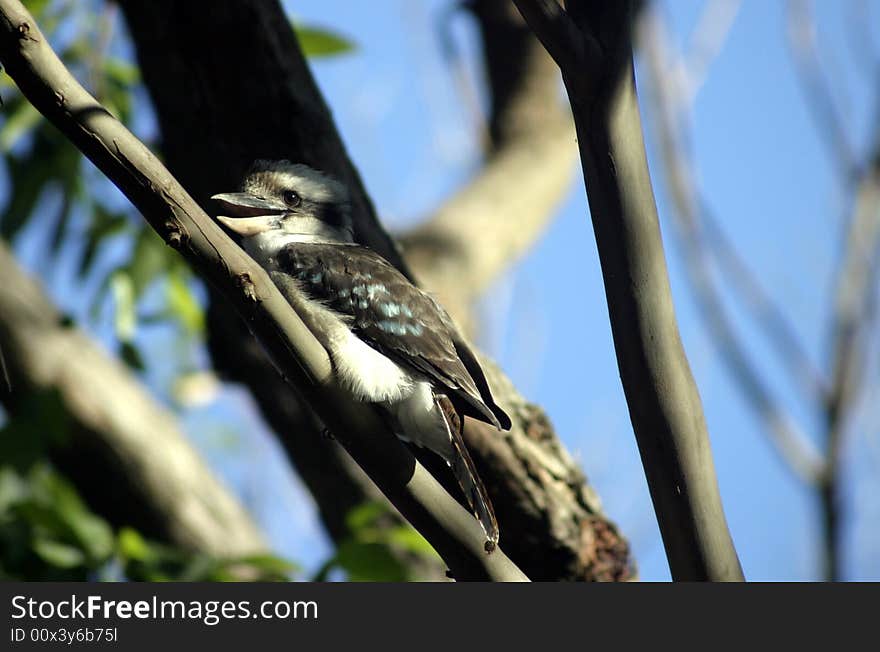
246, 284
24, 32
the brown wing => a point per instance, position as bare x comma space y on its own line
395, 317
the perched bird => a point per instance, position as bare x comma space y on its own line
390, 342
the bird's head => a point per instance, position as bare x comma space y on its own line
288, 201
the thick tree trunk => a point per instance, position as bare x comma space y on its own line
230, 85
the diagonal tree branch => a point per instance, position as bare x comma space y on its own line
43, 79
664, 404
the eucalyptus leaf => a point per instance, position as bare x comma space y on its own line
59, 554
183, 304
321, 42
131, 356
21, 118
122, 286
369, 562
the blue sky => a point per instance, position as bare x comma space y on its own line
765, 173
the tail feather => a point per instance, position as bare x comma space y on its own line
465, 473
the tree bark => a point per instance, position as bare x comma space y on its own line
592, 43
230, 85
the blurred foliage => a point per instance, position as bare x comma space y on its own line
24, 442
48, 533
44, 169
373, 553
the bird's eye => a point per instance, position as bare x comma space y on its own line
291, 198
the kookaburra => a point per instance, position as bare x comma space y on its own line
390, 343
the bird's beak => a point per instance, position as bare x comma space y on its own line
249, 215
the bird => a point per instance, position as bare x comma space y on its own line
390, 342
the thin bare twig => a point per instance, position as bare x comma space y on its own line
861, 41
452, 54
767, 314
5, 371
707, 40
821, 102
853, 315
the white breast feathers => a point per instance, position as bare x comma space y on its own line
366, 373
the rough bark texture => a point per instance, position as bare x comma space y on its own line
222, 106
125, 452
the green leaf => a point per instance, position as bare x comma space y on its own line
125, 316
119, 79
28, 177
320, 42
36, 7
77, 525
59, 554
408, 538
131, 356
150, 259
50, 159
40, 421
20, 120
121, 72
132, 546
269, 565
12, 489
183, 305
104, 225
369, 562
364, 516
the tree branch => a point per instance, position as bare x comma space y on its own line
43, 79
120, 437
557, 33
664, 404
853, 315
829, 125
